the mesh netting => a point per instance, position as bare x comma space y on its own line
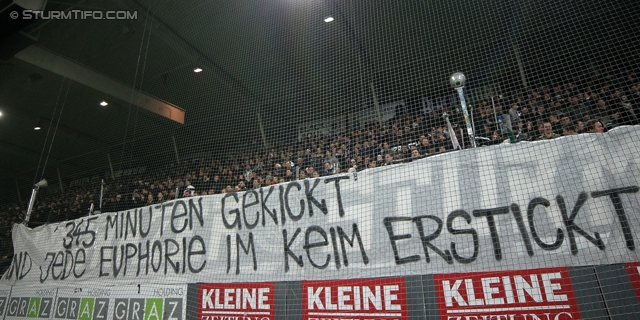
329, 159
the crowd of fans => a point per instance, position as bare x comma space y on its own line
529, 114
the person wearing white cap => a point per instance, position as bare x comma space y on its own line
191, 190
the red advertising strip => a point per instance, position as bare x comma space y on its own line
509, 295
354, 299
220, 301
633, 269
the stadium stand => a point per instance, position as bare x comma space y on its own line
241, 113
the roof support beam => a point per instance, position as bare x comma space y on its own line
62, 66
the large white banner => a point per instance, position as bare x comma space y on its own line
565, 202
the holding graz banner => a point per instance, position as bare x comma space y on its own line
485, 209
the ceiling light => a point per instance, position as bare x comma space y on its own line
0, 114
104, 103
196, 70
36, 128
328, 19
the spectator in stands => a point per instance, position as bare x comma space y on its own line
614, 119
487, 121
309, 171
388, 159
443, 145
595, 126
248, 172
277, 170
204, 182
514, 114
495, 138
548, 132
190, 188
160, 198
546, 100
565, 119
354, 166
342, 160
627, 112
259, 167
217, 184
520, 131
327, 170
579, 127
569, 129
107, 205
554, 119
525, 115
405, 152
634, 95
231, 178
385, 148
367, 149
300, 164
575, 108
286, 164
153, 190
316, 161
601, 111
424, 147
332, 159
590, 101
257, 183
541, 114
289, 176
118, 205
533, 113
